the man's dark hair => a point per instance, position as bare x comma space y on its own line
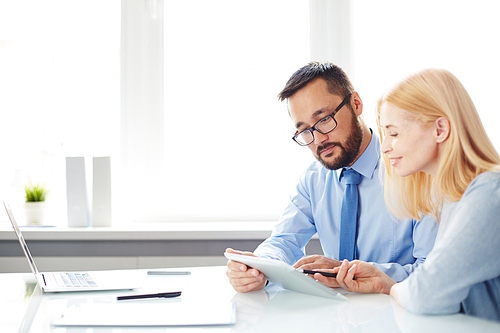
336, 79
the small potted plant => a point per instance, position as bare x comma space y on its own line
34, 207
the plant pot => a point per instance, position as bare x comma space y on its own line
34, 212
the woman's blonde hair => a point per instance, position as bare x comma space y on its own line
467, 152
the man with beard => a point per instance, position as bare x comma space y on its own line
327, 114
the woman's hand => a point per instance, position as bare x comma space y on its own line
369, 279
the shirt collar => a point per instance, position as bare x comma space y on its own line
368, 161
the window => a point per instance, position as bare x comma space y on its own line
59, 91
222, 74
228, 147
394, 38
183, 94
222, 149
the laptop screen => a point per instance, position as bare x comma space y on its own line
20, 237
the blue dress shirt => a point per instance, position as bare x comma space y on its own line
395, 246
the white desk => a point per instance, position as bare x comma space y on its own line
23, 308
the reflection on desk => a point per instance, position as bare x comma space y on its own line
27, 309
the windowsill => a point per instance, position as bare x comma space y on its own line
147, 231
136, 241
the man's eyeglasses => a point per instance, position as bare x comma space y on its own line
324, 125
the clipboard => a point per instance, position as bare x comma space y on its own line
149, 314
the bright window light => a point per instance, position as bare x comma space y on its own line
228, 148
394, 38
59, 88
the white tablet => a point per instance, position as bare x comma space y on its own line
286, 276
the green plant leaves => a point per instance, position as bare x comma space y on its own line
35, 192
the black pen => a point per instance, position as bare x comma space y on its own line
159, 295
308, 271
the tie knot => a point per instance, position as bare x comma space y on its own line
352, 177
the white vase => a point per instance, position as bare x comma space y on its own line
34, 212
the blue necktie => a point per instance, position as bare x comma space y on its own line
349, 215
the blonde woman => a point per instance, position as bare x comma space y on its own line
440, 161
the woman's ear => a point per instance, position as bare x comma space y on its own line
442, 129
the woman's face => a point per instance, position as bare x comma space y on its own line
410, 146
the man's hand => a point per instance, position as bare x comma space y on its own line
242, 278
322, 263
369, 279
317, 262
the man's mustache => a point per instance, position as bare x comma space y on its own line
326, 146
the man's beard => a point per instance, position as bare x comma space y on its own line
349, 151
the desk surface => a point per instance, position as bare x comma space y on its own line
24, 308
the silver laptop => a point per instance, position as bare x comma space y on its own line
68, 281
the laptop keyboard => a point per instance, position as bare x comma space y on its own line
77, 280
